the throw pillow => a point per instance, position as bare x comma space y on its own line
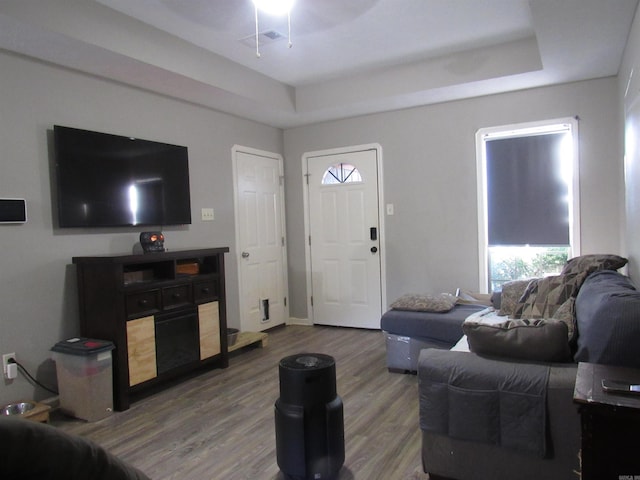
441, 303
537, 340
511, 293
592, 263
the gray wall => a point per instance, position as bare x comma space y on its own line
38, 298
630, 106
430, 177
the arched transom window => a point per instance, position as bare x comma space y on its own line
341, 173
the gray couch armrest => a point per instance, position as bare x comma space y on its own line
37, 451
461, 459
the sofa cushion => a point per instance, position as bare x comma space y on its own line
442, 302
543, 340
608, 315
593, 262
511, 293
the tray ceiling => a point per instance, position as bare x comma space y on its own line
348, 58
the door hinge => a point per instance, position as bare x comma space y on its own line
307, 175
312, 300
309, 239
283, 241
285, 301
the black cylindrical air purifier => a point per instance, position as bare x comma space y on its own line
309, 418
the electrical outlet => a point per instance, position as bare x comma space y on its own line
5, 361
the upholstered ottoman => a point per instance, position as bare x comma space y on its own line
408, 332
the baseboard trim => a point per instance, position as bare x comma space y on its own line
299, 321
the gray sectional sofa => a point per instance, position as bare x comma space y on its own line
494, 416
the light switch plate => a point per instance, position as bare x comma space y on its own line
207, 214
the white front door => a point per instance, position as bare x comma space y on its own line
260, 236
344, 239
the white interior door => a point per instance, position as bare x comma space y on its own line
260, 236
345, 239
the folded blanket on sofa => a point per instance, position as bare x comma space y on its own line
484, 400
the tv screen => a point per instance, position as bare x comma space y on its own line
106, 180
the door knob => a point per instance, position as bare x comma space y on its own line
245, 254
374, 249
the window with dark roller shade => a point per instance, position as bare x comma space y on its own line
526, 194
529, 224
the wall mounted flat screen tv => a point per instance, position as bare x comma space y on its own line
106, 180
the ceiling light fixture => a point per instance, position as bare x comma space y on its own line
273, 7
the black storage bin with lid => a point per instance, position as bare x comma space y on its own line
85, 377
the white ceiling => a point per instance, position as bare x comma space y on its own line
348, 57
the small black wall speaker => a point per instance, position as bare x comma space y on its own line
13, 210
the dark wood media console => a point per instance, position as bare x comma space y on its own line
165, 312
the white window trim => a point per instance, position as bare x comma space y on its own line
523, 129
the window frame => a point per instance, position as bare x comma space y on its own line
521, 130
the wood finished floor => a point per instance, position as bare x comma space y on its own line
220, 425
